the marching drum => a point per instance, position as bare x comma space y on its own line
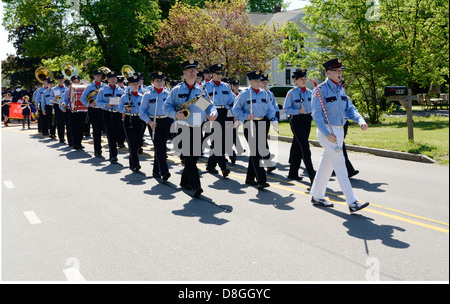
75, 98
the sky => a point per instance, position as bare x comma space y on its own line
7, 48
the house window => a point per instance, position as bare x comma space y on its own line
288, 76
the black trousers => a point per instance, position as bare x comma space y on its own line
348, 164
96, 118
114, 127
301, 128
59, 120
50, 121
68, 124
219, 158
77, 121
132, 126
190, 151
256, 143
160, 138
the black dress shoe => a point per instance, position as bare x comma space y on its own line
270, 169
233, 160
113, 160
136, 169
187, 187
295, 177
353, 173
156, 175
166, 176
212, 170
197, 192
225, 172
98, 153
263, 185
251, 182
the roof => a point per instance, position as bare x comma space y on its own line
281, 17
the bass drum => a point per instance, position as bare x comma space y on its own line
75, 98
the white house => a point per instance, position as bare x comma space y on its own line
283, 77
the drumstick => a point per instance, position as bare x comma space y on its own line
338, 148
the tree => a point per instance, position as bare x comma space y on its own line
106, 32
381, 43
221, 32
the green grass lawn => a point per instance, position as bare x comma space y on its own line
431, 136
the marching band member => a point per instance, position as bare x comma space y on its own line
77, 118
220, 93
151, 112
270, 97
47, 106
297, 106
40, 107
252, 105
56, 95
330, 107
132, 124
108, 99
121, 134
35, 100
191, 127
94, 110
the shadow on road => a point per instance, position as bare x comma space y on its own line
364, 228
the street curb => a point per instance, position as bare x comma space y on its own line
378, 152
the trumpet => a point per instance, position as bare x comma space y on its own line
43, 72
68, 70
127, 71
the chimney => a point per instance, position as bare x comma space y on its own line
277, 9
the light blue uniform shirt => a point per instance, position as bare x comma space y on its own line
58, 91
296, 99
90, 88
130, 98
105, 94
46, 98
178, 96
221, 95
261, 106
337, 105
39, 97
151, 99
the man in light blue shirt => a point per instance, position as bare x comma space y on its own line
330, 107
94, 110
108, 99
297, 106
252, 107
190, 123
221, 95
152, 113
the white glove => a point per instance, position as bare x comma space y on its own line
275, 125
237, 124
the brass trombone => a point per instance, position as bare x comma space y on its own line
43, 72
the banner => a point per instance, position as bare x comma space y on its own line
15, 110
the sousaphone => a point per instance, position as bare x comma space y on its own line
127, 71
68, 70
43, 72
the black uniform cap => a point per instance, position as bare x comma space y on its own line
254, 75
299, 73
133, 78
333, 63
188, 64
216, 67
157, 75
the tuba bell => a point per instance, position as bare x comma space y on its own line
42, 72
127, 71
105, 71
68, 70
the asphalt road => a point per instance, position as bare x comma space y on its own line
67, 215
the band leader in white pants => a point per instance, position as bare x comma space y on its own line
331, 106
